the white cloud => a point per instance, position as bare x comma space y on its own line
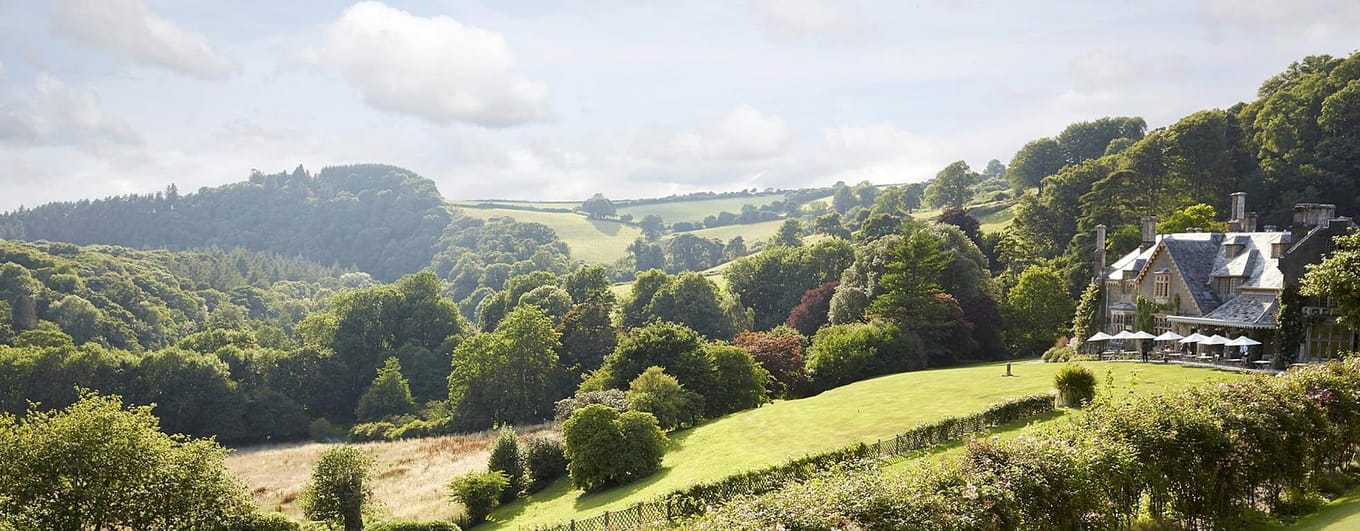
54, 113
743, 133
1284, 20
798, 19
436, 68
130, 28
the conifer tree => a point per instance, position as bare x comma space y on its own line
388, 395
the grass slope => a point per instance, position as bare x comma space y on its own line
592, 240
1341, 514
696, 210
409, 477
751, 232
864, 411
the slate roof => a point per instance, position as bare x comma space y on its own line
1200, 257
1255, 309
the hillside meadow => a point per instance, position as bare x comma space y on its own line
696, 210
863, 411
409, 476
593, 240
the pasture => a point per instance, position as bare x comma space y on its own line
593, 240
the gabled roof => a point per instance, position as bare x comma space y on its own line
1200, 257
1249, 310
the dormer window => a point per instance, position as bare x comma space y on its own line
1161, 286
1276, 249
1231, 249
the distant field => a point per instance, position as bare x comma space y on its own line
864, 411
596, 241
409, 477
751, 233
526, 204
696, 210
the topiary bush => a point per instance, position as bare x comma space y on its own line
544, 460
480, 493
505, 458
1076, 385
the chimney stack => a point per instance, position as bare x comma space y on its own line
1308, 216
1239, 220
1149, 232
1239, 205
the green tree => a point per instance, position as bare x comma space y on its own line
789, 234
508, 375
1034, 161
1036, 311
604, 447
587, 335
552, 300
338, 491
97, 465
479, 493
588, 282
661, 394
1197, 215
738, 381
389, 395
505, 459
844, 199
994, 170
952, 187
1086, 319
696, 302
651, 225
673, 347
1338, 278
598, 207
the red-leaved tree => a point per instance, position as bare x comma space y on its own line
781, 355
811, 311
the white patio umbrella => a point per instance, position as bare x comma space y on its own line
1141, 335
1194, 338
1168, 336
1100, 336
1243, 341
1214, 340
1123, 334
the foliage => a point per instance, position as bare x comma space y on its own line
598, 207
587, 335
95, 464
265, 522
1086, 317
781, 355
1076, 385
1199, 215
544, 460
813, 309
338, 491
661, 394
1337, 277
673, 347
694, 301
790, 234
738, 381
1061, 354
389, 394
1293, 326
1036, 312
612, 398
604, 447
508, 375
506, 458
841, 354
773, 281
398, 525
479, 493
952, 186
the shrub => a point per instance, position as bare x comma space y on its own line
321, 430
371, 431
505, 458
338, 491
265, 522
544, 460
842, 354
422, 428
1076, 385
606, 448
399, 525
1060, 354
660, 394
479, 493
612, 398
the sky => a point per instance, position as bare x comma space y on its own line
563, 99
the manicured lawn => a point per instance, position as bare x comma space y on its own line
592, 240
692, 211
863, 411
1342, 514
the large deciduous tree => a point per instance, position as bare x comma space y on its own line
952, 187
1338, 278
598, 206
508, 375
1037, 311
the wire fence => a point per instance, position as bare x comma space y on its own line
696, 499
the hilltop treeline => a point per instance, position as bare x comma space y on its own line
1296, 142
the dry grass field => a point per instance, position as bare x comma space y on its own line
408, 476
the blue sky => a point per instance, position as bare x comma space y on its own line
558, 100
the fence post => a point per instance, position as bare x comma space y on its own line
573, 525
669, 500
639, 512
606, 519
